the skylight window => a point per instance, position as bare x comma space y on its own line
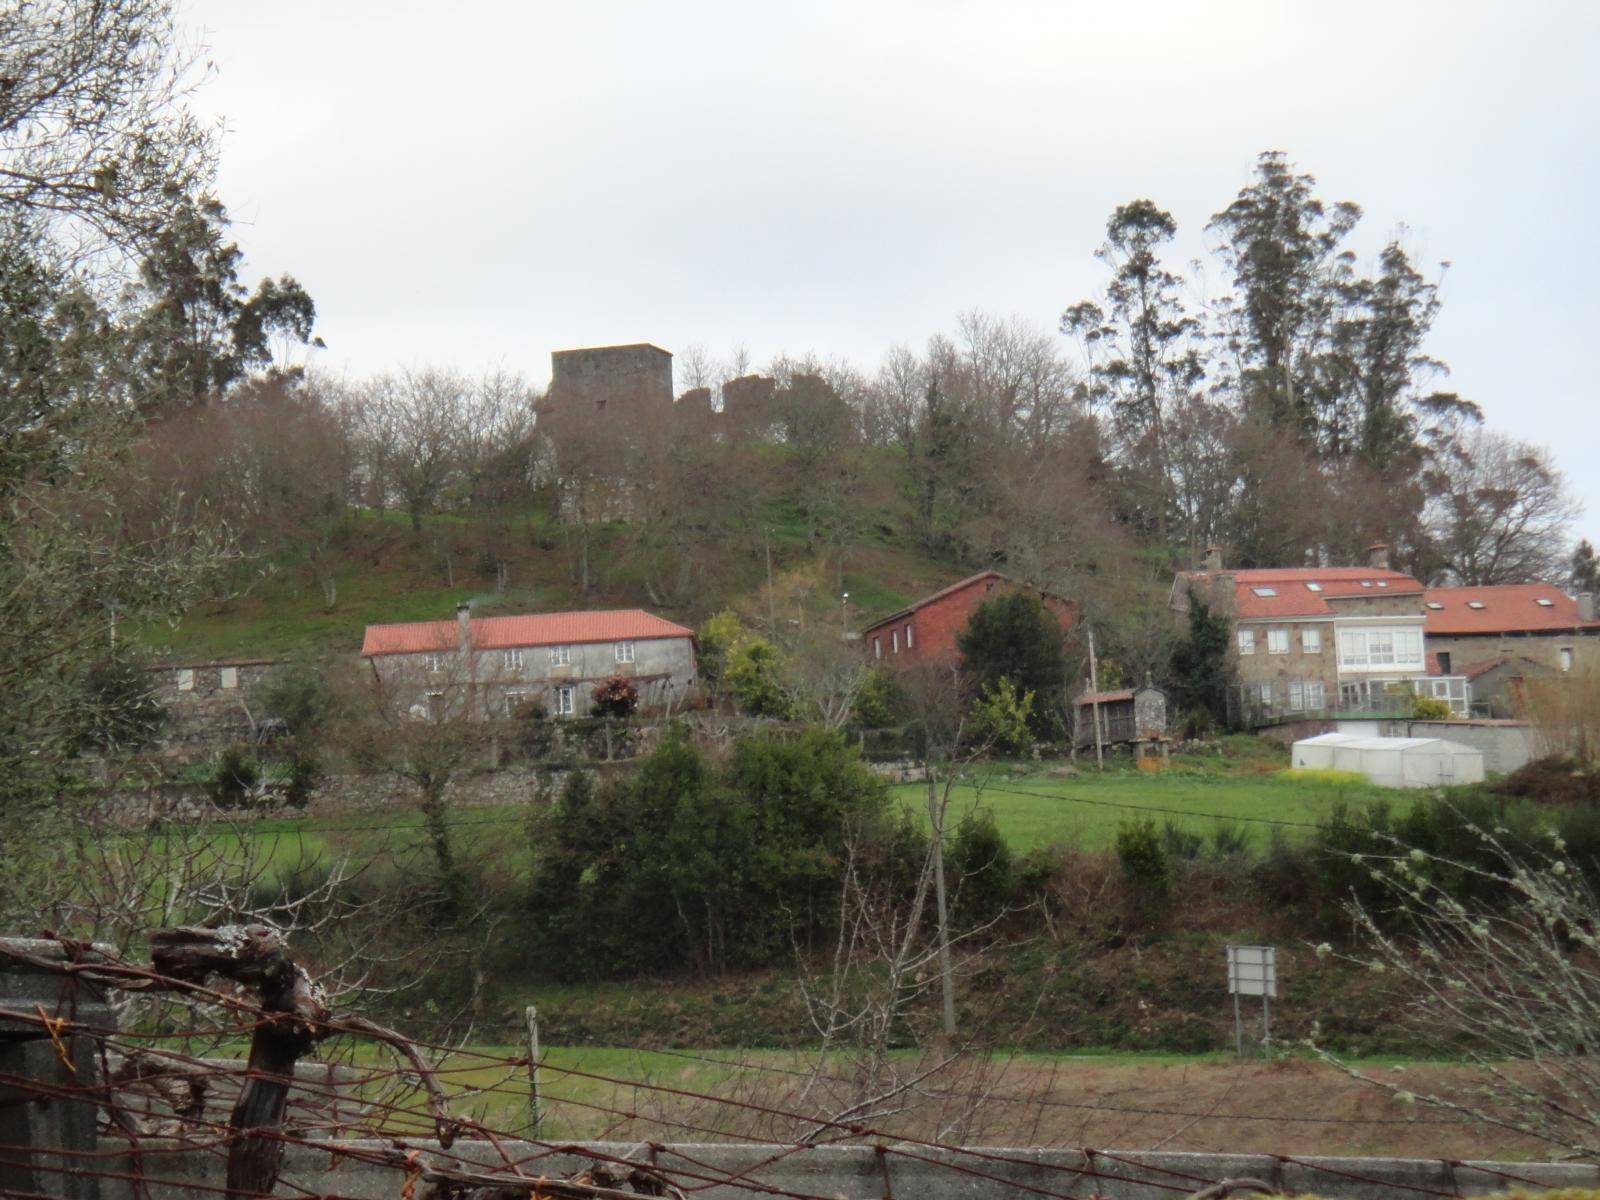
1545, 602
1383, 583
1313, 587
1265, 591
1435, 605
1475, 604
1366, 583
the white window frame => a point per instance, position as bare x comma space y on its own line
511, 660
433, 662
1311, 640
1277, 641
877, 646
566, 700
514, 696
228, 677
894, 641
623, 652
186, 679
1565, 658
909, 642
560, 656
1247, 641
1381, 647
1297, 696
1263, 693
1316, 695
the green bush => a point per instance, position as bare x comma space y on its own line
1015, 637
1179, 841
236, 775
979, 865
1000, 718
754, 677
1144, 861
881, 701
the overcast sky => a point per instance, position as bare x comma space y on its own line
478, 184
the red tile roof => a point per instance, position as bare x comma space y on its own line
1506, 608
534, 629
1294, 598
1106, 697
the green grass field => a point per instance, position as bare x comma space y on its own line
1036, 810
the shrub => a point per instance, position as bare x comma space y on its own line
1229, 840
236, 775
715, 642
123, 711
617, 696
1180, 842
980, 863
881, 700
1144, 859
1429, 708
1015, 637
754, 678
1000, 718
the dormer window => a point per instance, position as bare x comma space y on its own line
1476, 604
1265, 591
1313, 587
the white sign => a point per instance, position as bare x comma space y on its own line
1253, 971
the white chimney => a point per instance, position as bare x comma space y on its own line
1378, 556
464, 625
1586, 606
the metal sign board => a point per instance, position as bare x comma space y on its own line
1253, 971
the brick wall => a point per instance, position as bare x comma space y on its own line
935, 625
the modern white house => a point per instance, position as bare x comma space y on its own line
1391, 761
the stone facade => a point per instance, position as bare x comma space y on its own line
211, 703
616, 379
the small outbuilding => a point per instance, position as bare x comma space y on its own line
1391, 761
1127, 716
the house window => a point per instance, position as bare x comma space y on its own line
511, 660
908, 635
1265, 592
515, 699
877, 647
1247, 641
1311, 641
1297, 696
624, 651
565, 697
186, 680
1314, 696
1262, 693
1277, 641
894, 641
1380, 648
434, 662
1566, 658
1444, 662
560, 656
229, 677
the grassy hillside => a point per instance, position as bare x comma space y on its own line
384, 572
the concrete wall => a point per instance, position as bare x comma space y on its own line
863, 1173
1506, 745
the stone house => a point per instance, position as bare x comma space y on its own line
925, 632
1498, 636
1309, 640
478, 667
209, 703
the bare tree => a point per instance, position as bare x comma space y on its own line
1512, 979
95, 138
1499, 512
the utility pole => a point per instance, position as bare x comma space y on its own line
772, 616
844, 615
1094, 703
936, 815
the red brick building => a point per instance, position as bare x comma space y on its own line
925, 632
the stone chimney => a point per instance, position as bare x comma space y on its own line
1586, 606
1213, 559
464, 626
1378, 556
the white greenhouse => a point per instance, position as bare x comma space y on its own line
1391, 761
